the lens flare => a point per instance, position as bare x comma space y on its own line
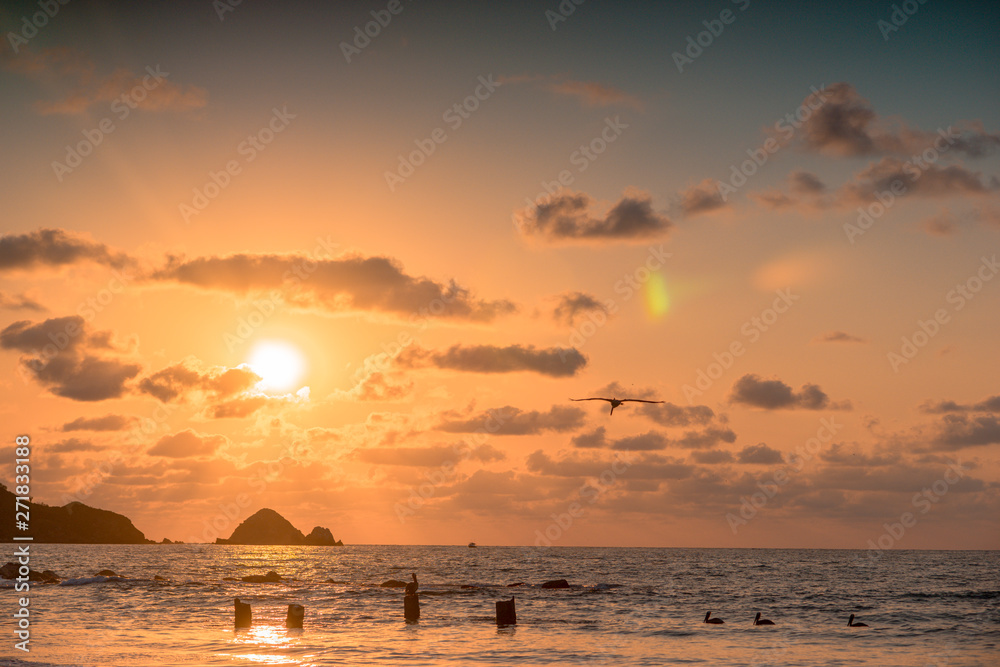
657, 296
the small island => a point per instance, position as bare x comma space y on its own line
73, 523
267, 527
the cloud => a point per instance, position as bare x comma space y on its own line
650, 440
242, 406
711, 456
702, 198
177, 381
588, 93
906, 178
63, 356
759, 453
105, 423
845, 124
55, 247
553, 361
377, 386
668, 414
344, 284
592, 440
75, 73
571, 307
989, 404
838, 337
704, 439
752, 390
20, 302
639, 466
186, 444
959, 430
71, 445
509, 420
433, 456
573, 217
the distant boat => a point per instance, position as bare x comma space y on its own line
472, 545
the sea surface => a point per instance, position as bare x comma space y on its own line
626, 606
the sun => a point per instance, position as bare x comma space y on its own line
279, 364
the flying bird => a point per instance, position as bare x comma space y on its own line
615, 402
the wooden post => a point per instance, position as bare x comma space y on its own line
506, 615
296, 614
243, 614
411, 607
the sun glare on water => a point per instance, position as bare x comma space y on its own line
279, 364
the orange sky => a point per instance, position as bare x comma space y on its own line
241, 197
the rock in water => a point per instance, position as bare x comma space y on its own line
271, 577
393, 583
243, 614
556, 583
296, 614
267, 527
106, 573
321, 537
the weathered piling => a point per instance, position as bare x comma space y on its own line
296, 614
506, 615
243, 614
411, 607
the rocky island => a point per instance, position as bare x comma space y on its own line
73, 523
267, 527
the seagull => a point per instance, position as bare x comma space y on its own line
615, 402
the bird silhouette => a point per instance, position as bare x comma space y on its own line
852, 624
761, 621
411, 588
615, 402
713, 621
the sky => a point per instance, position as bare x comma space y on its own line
350, 261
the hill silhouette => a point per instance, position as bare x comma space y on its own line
267, 527
73, 523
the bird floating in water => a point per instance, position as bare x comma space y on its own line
714, 621
852, 624
615, 402
761, 621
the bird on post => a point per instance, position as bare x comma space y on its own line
411, 588
615, 402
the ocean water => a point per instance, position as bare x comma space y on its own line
627, 606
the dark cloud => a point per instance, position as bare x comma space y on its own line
186, 444
570, 217
70, 445
759, 453
344, 284
838, 455
752, 390
242, 406
433, 456
509, 420
845, 124
572, 306
651, 440
592, 440
704, 439
959, 430
638, 466
906, 178
702, 198
553, 361
711, 456
177, 381
55, 247
838, 337
105, 423
20, 302
805, 182
668, 414
62, 355
989, 404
